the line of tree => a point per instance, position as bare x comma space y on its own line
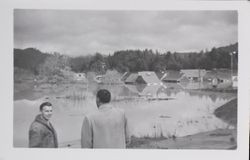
126, 60
149, 60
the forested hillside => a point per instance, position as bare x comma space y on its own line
139, 60
127, 60
29, 59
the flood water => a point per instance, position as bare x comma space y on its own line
152, 111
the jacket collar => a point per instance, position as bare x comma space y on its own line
105, 107
41, 120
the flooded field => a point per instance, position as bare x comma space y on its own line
152, 111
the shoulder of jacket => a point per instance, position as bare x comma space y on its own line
120, 110
36, 126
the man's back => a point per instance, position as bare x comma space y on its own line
106, 128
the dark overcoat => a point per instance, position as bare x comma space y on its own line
41, 134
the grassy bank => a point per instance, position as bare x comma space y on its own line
217, 139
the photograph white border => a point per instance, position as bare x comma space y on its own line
8, 152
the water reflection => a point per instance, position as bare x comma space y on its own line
152, 111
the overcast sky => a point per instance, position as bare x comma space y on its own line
75, 32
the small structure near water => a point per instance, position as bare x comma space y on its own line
80, 76
73, 76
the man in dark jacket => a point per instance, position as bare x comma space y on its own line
41, 132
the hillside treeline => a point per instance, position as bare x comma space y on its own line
126, 60
149, 60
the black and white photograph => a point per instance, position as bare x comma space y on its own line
141, 79
115, 79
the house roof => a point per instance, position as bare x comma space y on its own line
124, 76
160, 75
111, 76
131, 78
173, 75
149, 77
194, 72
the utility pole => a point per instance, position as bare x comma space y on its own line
232, 54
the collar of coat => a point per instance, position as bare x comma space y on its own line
41, 120
105, 107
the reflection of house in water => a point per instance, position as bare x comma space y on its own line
173, 86
128, 92
148, 78
152, 91
195, 75
172, 93
133, 89
213, 97
193, 85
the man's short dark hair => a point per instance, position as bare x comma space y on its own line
45, 104
104, 95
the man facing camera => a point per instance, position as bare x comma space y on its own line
106, 128
41, 132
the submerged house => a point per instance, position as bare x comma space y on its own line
174, 77
110, 77
150, 78
131, 79
221, 78
146, 77
124, 76
195, 75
